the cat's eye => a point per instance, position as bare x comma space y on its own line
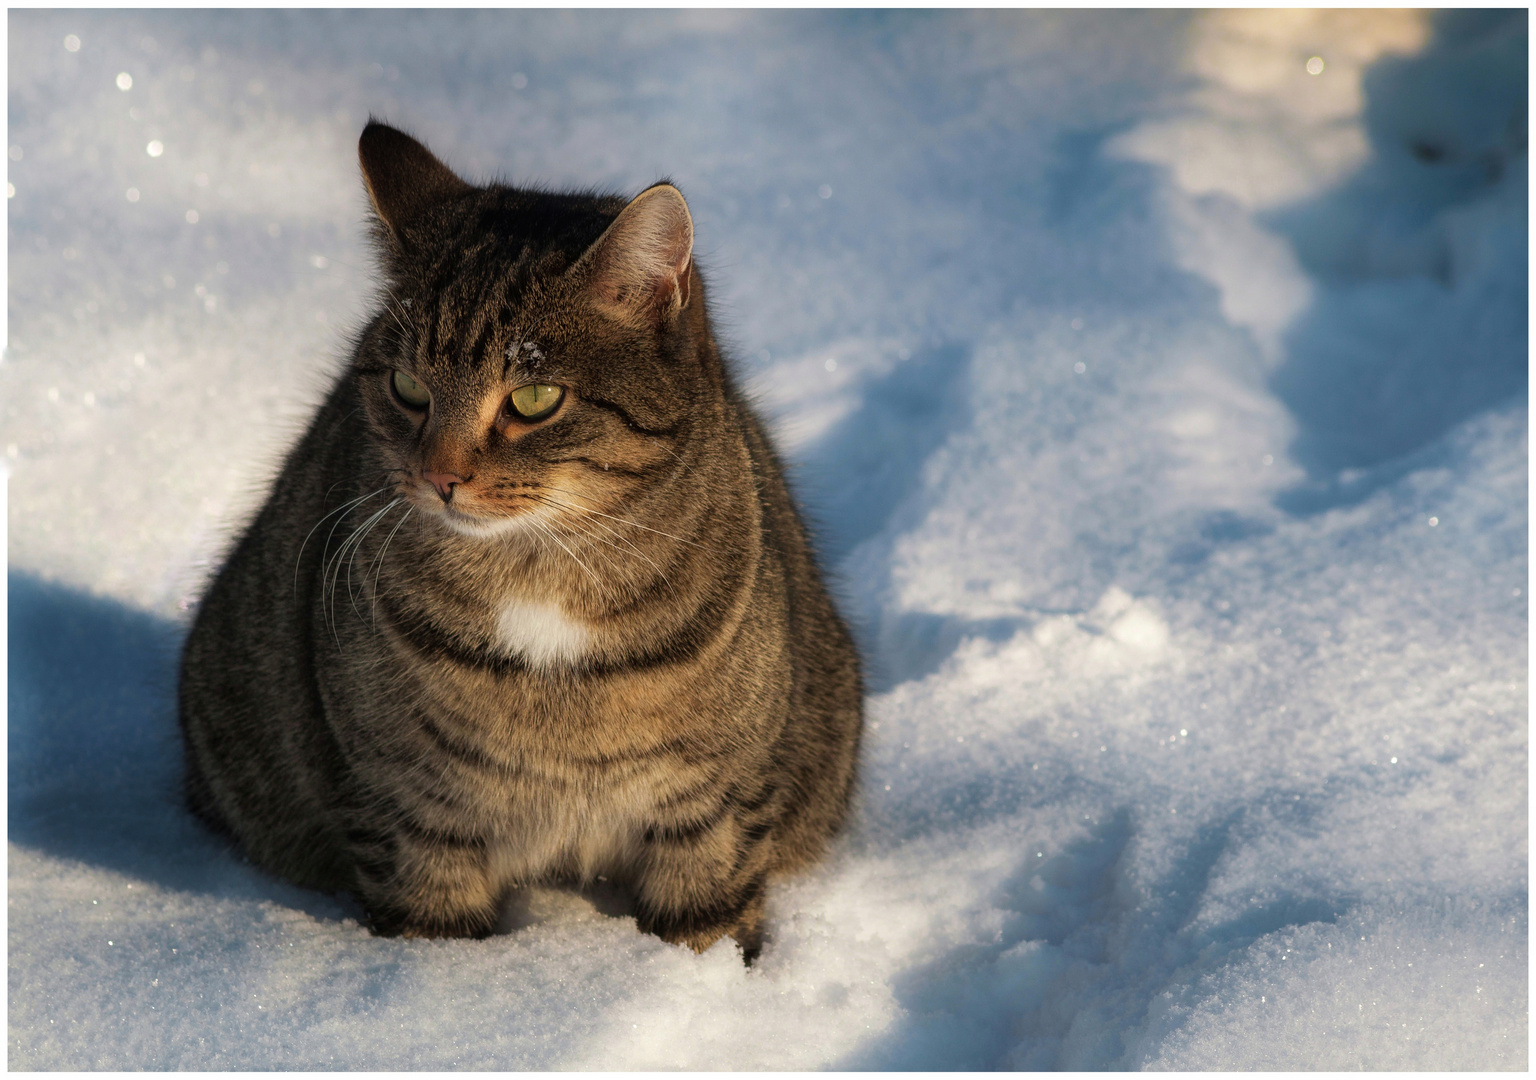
411, 392
536, 400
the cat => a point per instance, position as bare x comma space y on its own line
530, 602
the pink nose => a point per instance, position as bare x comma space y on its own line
444, 482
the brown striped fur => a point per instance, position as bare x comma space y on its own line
596, 645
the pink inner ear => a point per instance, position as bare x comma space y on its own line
643, 257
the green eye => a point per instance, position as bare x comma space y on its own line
411, 392
536, 400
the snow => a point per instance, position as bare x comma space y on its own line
1163, 409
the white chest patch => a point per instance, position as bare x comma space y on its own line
541, 634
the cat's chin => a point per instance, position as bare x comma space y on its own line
479, 528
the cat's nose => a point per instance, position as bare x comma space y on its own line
444, 482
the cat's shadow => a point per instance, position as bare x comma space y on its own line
95, 757
95, 763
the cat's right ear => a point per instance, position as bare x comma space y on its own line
402, 176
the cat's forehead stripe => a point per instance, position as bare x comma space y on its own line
462, 328
483, 327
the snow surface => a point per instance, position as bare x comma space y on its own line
1164, 409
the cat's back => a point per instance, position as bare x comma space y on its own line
259, 763
821, 747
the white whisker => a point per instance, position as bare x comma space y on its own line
379, 562
625, 521
367, 527
328, 581
544, 529
611, 531
344, 506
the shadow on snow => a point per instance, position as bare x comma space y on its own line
1420, 319
1077, 963
95, 756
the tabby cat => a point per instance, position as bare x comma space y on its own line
529, 603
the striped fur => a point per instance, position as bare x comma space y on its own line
599, 648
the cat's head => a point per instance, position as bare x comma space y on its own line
540, 357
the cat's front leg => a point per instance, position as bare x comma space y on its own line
703, 883
420, 884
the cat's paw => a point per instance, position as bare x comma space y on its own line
394, 923
700, 929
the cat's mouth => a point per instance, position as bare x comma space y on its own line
455, 508
480, 526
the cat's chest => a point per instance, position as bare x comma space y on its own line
539, 632
578, 831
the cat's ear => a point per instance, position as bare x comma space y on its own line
402, 176
639, 268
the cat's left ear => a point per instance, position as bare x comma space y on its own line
638, 269
403, 177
